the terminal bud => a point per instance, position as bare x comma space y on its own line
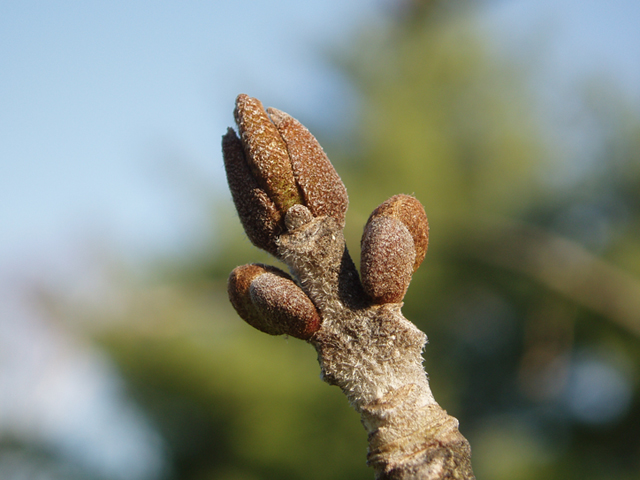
274, 164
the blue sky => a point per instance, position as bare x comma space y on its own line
109, 108
100, 99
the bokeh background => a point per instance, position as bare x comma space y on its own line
515, 122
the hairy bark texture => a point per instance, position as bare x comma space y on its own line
365, 345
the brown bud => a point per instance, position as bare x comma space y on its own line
267, 299
411, 213
323, 190
266, 153
387, 259
297, 216
276, 164
260, 218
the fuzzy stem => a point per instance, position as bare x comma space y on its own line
374, 355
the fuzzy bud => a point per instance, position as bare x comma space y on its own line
296, 217
411, 213
267, 153
275, 164
268, 299
323, 190
258, 214
387, 259
393, 246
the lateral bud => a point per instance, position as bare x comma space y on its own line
268, 299
410, 212
394, 243
387, 256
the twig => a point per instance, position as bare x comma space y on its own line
292, 203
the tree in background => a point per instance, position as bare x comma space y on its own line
529, 293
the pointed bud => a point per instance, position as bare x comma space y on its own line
276, 164
323, 190
267, 299
259, 216
266, 153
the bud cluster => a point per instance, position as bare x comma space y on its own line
292, 204
274, 164
281, 179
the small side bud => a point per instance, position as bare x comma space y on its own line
268, 299
411, 213
297, 216
285, 306
323, 190
387, 259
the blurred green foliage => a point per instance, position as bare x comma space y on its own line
545, 386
